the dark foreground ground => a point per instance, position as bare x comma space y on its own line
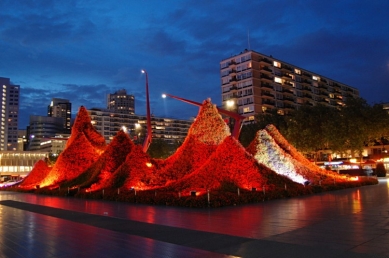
346, 223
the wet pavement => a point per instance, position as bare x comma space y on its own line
346, 223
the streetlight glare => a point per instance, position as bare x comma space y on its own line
164, 96
230, 103
143, 71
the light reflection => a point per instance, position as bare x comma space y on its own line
356, 206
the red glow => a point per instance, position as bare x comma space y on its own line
209, 159
37, 174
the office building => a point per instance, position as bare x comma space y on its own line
108, 123
53, 145
40, 129
9, 115
121, 102
61, 108
253, 83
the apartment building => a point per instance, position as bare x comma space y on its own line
253, 83
108, 123
9, 115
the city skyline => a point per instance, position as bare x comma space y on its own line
83, 51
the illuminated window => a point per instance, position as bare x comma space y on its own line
264, 109
248, 109
331, 95
316, 78
280, 112
278, 80
277, 64
297, 71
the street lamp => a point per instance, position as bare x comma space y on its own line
124, 129
230, 103
230, 106
147, 141
137, 133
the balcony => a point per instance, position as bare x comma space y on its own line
289, 106
268, 102
288, 83
267, 85
286, 90
267, 69
289, 99
322, 86
265, 60
267, 94
287, 76
286, 67
266, 77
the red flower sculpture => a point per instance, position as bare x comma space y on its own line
37, 174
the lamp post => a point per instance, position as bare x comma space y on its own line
137, 133
230, 106
147, 140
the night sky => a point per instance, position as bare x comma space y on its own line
83, 50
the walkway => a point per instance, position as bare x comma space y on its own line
347, 223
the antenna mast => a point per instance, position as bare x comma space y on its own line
248, 38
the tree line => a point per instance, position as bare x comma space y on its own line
351, 127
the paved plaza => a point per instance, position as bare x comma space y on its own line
346, 223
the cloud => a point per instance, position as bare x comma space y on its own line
83, 50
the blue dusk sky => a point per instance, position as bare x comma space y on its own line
83, 50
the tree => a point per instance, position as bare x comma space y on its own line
308, 128
248, 133
272, 117
161, 149
356, 118
380, 170
249, 130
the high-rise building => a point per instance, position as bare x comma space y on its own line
9, 115
108, 123
61, 108
121, 102
252, 83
